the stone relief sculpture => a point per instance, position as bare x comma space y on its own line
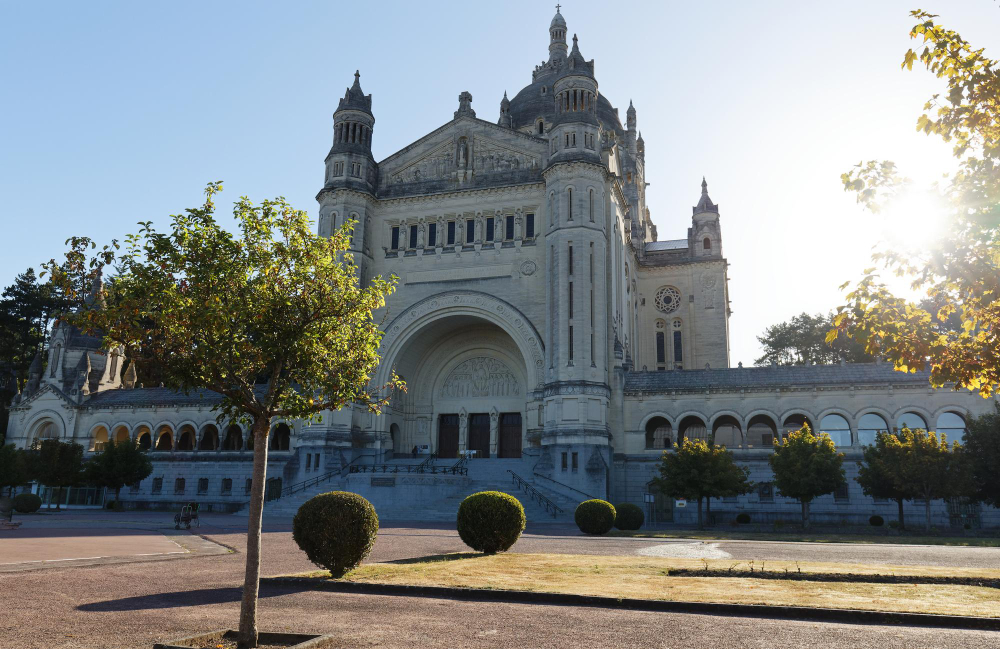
482, 156
481, 377
708, 290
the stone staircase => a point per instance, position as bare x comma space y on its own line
403, 496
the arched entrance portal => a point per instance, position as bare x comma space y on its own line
468, 382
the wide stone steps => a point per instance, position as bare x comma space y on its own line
434, 497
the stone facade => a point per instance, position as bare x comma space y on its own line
535, 309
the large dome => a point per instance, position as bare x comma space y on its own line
531, 103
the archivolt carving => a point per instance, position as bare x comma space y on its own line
481, 377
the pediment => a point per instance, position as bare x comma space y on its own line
464, 152
46, 394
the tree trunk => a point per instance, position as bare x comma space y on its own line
902, 523
59, 500
251, 581
927, 510
118, 491
708, 510
700, 526
805, 514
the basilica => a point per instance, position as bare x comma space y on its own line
552, 343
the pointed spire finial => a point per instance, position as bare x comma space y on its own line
704, 186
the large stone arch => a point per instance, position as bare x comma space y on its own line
464, 303
39, 419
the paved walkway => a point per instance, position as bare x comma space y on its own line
134, 603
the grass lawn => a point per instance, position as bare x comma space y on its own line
648, 578
811, 537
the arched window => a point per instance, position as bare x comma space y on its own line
591, 205
658, 433
234, 439
121, 435
795, 422
541, 125
869, 426
952, 425
164, 439
185, 442
144, 441
837, 428
761, 432
569, 197
692, 427
55, 360
678, 344
280, 438
726, 432
911, 420
100, 438
707, 243
661, 350
209, 439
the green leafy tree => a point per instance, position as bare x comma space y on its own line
930, 469
982, 449
960, 275
272, 318
117, 465
696, 471
802, 341
13, 468
880, 471
58, 465
806, 466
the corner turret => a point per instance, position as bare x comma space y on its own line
350, 162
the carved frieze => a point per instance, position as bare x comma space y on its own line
481, 377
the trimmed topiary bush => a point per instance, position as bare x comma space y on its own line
876, 521
336, 530
743, 518
490, 521
595, 516
27, 503
628, 516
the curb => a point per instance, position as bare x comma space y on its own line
850, 616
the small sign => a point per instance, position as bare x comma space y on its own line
681, 502
383, 481
649, 498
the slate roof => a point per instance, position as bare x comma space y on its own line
672, 244
764, 377
151, 397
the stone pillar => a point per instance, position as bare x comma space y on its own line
494, 421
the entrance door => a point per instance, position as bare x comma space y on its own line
479, 434
448, 436
510, 435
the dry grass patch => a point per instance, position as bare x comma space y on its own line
812, 537
648, 578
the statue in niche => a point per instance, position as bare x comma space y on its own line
463, 153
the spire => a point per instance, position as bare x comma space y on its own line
355, 98
705, 204
640, 146
557, 37
36, 365
96, 297
630, 116
504, 111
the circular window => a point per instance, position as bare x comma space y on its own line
668, 299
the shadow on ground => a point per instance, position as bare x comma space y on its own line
199, 597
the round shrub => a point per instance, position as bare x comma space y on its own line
490, 521
876, 521
628, 516
27, 503
743, 518
595, 516
336, 530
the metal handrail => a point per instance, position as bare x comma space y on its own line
305, 484
423, 465
565, 486
536, 495
455, 469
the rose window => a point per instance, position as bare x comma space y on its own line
668, 299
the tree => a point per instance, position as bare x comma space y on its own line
961, 274
117, 465
272, 318
802, 341
806, 466
930, 470
696, 471
58, 465
880, 470
982, 449
13, 468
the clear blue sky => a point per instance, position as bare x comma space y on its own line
116, 112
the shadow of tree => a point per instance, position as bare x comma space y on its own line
198, 597
435, 558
